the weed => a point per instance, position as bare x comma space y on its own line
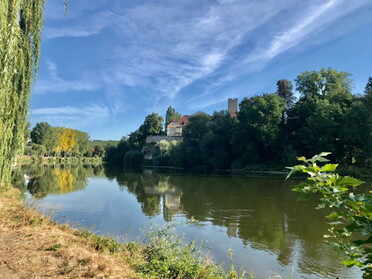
65, 268
165, 256
36, 221
100, 242
82, 262
54, 247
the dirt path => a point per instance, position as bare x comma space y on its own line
31, 246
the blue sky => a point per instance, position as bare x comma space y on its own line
109, 63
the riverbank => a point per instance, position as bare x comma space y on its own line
33, 246
360, 172
28, 160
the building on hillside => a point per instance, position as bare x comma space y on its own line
174, 129
232, 107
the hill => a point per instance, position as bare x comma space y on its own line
104, 143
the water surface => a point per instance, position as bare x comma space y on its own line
259, 218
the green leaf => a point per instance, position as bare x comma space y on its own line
350, 263
332, 216
323, 154
303, 196
294, 169
329, 167
349, 181
320, 157
302, 158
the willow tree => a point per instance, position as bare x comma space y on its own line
20, 27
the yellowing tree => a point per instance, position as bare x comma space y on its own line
65, 181
67, 140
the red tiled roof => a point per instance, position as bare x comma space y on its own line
184, 120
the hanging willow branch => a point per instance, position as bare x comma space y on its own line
20, 27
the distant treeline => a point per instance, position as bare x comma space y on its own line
60, 142
271, 128
103, 143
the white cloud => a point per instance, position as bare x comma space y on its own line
165, 48
294, 34
73, 116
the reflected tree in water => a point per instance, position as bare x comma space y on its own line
43, 180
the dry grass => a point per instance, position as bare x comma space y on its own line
32, 246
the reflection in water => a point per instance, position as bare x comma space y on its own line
261, 214
43, 180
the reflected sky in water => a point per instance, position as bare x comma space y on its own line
269, 232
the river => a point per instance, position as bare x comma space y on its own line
259, 218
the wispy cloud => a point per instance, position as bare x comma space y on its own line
73, 116
299, 29
89, 27
162, 49
54, 84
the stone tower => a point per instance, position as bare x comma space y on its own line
232, 108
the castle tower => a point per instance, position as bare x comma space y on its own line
232, 107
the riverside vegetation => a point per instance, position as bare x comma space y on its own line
163, 254
269, 132
351, 220
72, 253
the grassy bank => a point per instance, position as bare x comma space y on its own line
37, 247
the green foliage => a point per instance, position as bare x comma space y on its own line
44, 134
162, 152
99, 151
193, 134
356, 130
60, 140
326, 83
166, 256
82, 143
258, 129
316, 121
115, 155
351, 220
20, 28
101, 242
368, 93
133, 159
38, 149
285, 91
216, 144
153, 125
103, 143
54, 247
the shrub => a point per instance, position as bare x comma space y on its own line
166, 256
351, 221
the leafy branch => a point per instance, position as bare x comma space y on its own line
351, 219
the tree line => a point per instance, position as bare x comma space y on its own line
270, 129
61, 142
